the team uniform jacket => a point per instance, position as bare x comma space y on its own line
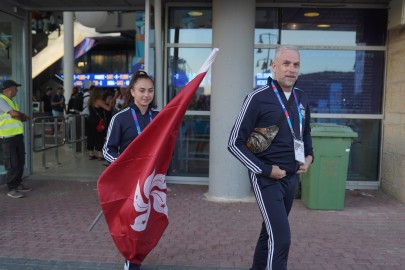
262, 108
122, 131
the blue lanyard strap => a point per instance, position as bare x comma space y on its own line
138, 127
299, 112
286, 112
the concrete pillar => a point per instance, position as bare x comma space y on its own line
232, 79
68, 56
158, 53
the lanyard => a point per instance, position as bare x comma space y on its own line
286, 112
138, 127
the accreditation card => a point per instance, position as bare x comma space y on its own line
299, 151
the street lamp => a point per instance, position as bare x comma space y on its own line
265, 65
259, 50
268, 35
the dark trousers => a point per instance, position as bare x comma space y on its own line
95, 139
14, 160
275, 199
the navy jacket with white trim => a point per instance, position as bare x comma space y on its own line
122, 131
262, 108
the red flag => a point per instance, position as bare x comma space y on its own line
132, 190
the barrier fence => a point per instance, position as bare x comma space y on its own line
53, 132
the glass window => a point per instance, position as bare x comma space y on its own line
337, 81
118, 61
351, 83
191, 153
267, 26
5, 49
262, 69
190, 25
12, 47
184, 63
336, 27
322, 26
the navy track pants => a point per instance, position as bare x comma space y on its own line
275, 199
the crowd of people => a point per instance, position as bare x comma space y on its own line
45, 22
97, 104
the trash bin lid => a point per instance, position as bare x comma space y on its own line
331, 130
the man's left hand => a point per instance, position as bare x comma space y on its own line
304, 167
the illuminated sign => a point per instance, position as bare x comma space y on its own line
101, 80
261, 78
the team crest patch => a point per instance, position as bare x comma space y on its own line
302, 109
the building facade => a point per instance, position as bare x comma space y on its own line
351, 58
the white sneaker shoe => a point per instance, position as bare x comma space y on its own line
126, 265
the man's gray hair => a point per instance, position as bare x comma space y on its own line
285, 47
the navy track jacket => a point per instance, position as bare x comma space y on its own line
122, 131
262, 108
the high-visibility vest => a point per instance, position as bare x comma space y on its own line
9, 126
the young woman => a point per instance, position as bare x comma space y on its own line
129, 122
137, 113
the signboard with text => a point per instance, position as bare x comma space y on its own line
261, 78
101, 80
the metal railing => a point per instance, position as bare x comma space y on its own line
52, 132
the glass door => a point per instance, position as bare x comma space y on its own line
13, 63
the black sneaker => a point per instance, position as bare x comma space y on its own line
23, 188
15, 194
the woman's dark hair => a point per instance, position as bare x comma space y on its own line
96, 93
134, 78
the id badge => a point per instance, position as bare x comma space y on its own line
299, 151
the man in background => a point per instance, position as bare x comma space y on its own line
46, 107
12, 139
58, 107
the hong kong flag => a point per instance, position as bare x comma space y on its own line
132, 190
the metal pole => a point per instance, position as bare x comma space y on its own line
95, 220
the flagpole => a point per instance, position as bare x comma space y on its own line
95, 220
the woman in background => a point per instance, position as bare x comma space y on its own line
95, 134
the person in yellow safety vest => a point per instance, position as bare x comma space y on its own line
12, 139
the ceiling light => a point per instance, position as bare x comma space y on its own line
323, 25
311, 14
292, 26
195, 13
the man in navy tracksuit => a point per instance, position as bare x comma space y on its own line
274, 171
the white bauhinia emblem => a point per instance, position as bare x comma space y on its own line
159, 200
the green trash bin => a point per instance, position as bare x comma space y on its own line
323, 186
